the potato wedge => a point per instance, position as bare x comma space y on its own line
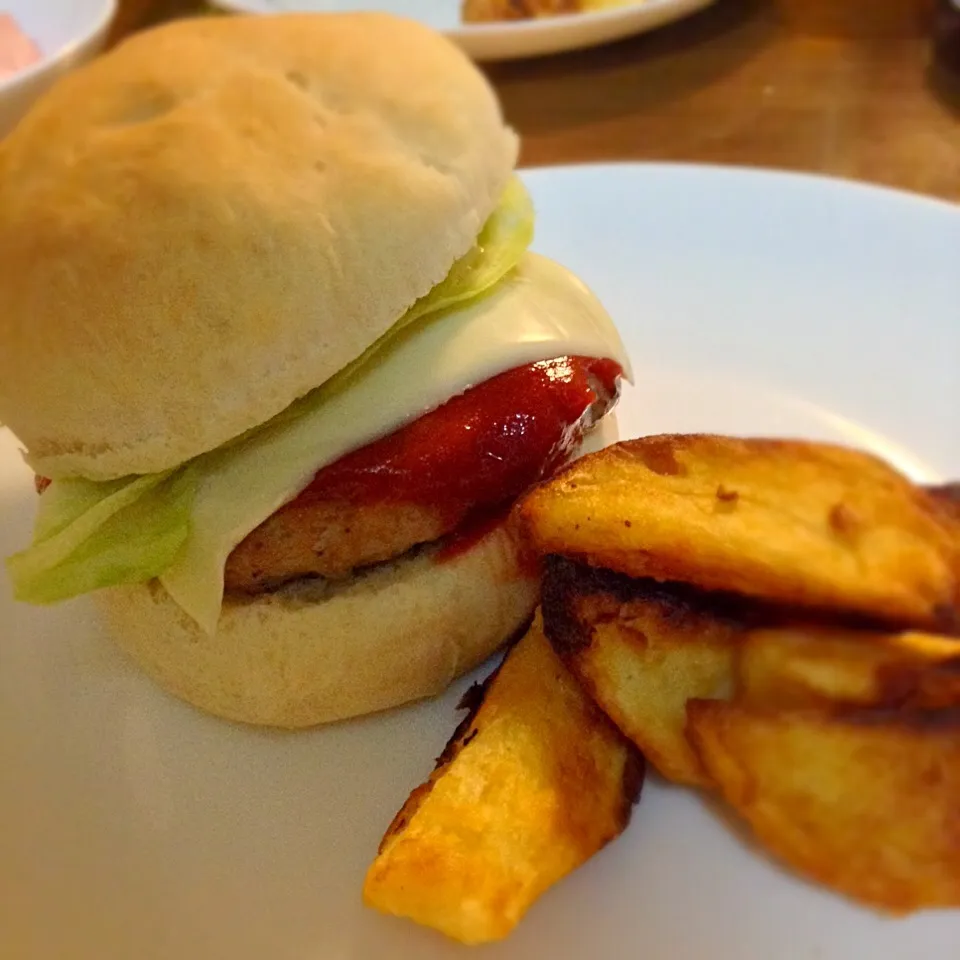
864, 801
534, 782
642, 650
799, 524
818, 666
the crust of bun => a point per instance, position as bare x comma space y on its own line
312, 653
215, 217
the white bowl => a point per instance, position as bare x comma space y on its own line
67, 32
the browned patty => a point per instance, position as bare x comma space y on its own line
328, 539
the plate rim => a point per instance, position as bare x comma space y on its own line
555, 26
746, 171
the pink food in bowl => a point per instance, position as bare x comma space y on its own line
17, 50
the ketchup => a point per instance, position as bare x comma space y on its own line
471, 532
483, 447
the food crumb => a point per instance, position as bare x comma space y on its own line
843, 520
727, 496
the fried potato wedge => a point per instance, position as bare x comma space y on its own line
864, 801
807, 666
534, 782
799, 524
642, 650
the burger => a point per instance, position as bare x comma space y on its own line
275, 347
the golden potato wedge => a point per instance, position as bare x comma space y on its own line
817, 666
864, 801
642, 650
534, 782
799, 524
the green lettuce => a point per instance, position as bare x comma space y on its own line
91, 534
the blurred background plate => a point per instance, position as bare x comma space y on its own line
133, 827
67, 33
507, 40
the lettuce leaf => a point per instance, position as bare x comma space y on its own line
93, 534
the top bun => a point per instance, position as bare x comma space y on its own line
221, 213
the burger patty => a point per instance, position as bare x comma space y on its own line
478, 451
329, 539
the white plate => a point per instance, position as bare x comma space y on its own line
501, 41
68, 32
133, 828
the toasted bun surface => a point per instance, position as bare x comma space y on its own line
310, 654
214, 218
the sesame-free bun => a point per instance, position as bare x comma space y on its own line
218, 215
313, 653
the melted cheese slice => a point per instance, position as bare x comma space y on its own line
537, 312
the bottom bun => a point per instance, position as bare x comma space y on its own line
313, 652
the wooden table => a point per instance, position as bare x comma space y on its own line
836, 86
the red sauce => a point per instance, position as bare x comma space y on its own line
480, 525
481, 448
